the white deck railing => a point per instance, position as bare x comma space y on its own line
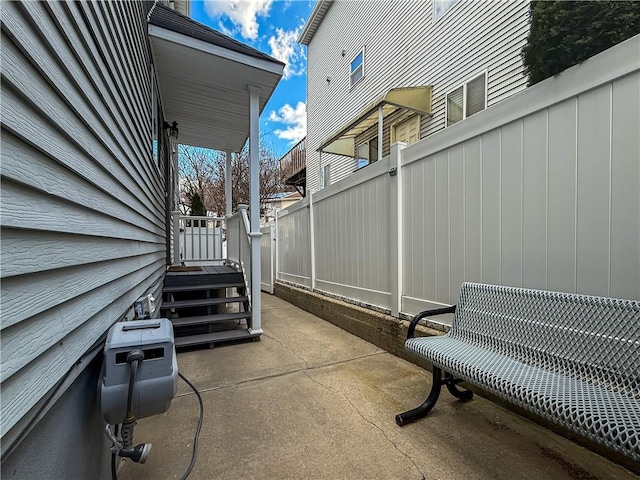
198, 239
239, 241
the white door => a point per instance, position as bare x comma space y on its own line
407, 131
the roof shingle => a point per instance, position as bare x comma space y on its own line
165, 17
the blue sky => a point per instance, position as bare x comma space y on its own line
273, 28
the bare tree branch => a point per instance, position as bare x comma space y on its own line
202, 171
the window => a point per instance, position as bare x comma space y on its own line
440, 7
466, 100
357, 68
325, 177
367, 152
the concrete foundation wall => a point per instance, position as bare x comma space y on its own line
69, 442
384, 331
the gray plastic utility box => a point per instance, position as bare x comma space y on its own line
157, 375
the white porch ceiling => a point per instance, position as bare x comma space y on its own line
204, 87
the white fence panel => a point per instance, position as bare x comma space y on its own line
267, 257
352, 236
541, 190
201, 239
294, 254
548, 199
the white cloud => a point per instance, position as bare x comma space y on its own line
242, 13
285, 48
295, 119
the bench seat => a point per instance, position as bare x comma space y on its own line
582, 407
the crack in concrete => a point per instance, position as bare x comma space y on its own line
384, 434
306, 365
280, 374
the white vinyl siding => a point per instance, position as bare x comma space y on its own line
83, 215
408, 49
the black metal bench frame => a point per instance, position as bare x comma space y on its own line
548, 345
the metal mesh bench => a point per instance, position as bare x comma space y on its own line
573, 359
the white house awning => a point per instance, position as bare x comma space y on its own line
203, 78
415, 99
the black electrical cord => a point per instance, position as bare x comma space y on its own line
194, 455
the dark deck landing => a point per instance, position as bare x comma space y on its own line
208, 275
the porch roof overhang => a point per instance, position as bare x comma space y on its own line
204, 77
413, 99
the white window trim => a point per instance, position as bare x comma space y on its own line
464, 95
351, 82
324, 181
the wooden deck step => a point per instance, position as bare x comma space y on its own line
214, 337
205, 319
203, 302
207, 286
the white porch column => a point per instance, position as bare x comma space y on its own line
396, 243
176, 238
227, 185
254, 207
320, 185
380, 130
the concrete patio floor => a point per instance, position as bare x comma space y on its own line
311, 401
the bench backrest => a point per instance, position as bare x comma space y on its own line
592, 338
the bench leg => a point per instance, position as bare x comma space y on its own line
422, 410
450, 382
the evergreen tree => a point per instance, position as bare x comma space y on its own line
197, 207
565, 33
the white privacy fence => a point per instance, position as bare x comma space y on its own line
199, 238
267, 257
541, 190
294, 244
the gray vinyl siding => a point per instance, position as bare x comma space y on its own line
83, 210
404, 47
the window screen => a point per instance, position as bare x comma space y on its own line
455, 111
476, 95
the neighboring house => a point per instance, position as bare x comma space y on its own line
279, 201
293, 167
386, 72
88, 186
